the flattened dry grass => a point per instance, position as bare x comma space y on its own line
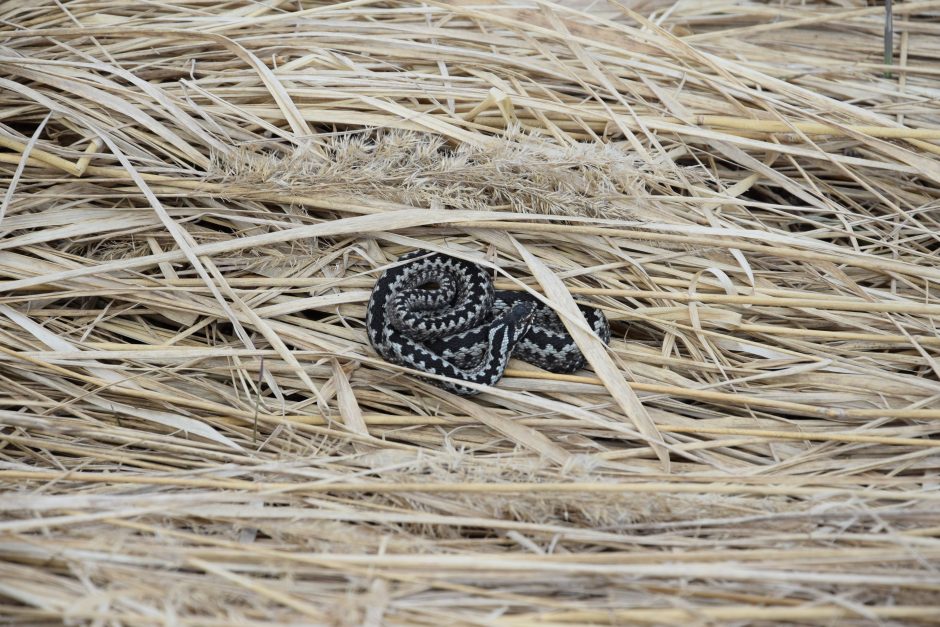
200, 195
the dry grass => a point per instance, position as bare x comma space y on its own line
199, 195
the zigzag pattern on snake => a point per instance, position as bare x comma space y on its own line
441, 315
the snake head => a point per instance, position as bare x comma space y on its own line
521, 313
519, 320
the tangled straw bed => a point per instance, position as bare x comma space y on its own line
199, 196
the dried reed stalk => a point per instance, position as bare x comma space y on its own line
199, 196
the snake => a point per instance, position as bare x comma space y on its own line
442, 315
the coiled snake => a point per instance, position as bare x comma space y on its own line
441, 315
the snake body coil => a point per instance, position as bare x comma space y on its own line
441, 315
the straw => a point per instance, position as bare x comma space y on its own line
199, 197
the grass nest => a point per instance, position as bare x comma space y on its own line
198, 197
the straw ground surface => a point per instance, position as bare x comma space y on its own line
198, 196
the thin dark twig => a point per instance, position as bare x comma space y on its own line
889, 35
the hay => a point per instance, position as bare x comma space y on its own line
198, 197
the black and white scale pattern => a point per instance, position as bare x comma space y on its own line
441, 315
